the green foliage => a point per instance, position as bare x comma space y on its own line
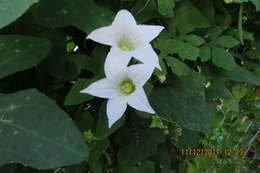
207, 95
44, 131
184, 100
21, 52
166, 7
11, 10
87, 17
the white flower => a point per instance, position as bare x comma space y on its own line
123, 85
129, 39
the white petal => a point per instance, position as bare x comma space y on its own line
103, 88
104, 35
147, 55
115, 109
124, 19
149, 32
140, 73
139, 101
116, 63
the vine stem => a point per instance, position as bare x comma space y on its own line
249, 144
142, 9
240, 25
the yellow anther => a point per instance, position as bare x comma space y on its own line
125, 48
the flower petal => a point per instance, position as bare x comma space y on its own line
139, 101
123, 19
149, 32
115, 109
103, 88
147, 55
104, 35
140, 73
116, 63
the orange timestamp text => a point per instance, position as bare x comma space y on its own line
210, 152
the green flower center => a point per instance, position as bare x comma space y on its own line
125, 44
127, 86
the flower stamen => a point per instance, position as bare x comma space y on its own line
127, 86
125, 48
125, 44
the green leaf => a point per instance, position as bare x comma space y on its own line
184, 100
195, 40
21, 52
255, 53
226, 41
223, 59
188, 139
11, 10
184, 50
165, 7
74, 96
85, 15
240, 74
246, 35
178, 67
214, 33
138, 145
256, 3
239, 91
37, 132
216, 92
188, 17
232, 104
205, 53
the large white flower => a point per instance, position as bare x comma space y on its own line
123, 85
129, 39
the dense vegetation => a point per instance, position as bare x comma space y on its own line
207, 95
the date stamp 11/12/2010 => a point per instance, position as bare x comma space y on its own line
210, 152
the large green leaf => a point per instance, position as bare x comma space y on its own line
195, 40
222, 58
10, 10
138, 141
184, 100
183, 49
226, 41
21, 52
256, 3
178, 67
188, 17
205, 53
242, 75
84, 14
34, 131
